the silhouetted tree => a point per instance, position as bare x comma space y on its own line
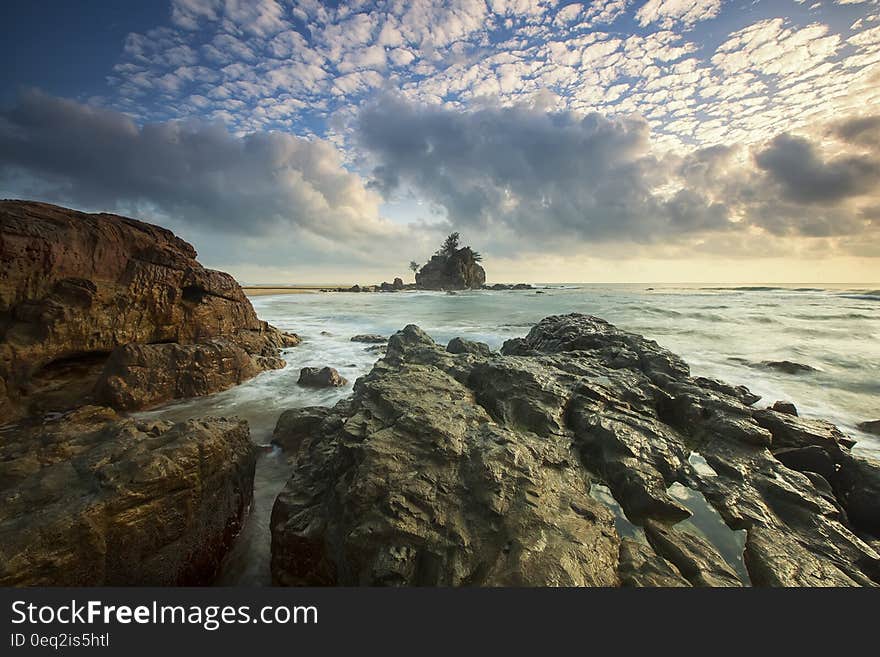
414, 266
477, 256
451, 244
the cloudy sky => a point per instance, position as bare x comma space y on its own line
616, 140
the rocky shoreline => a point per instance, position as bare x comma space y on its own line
458, 466
578, 455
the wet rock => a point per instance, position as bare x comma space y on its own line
443, 469
785, 407
321, 377
788, 367
74, 287
139, 376
639, 567
743, 394
871, 426
370, 338
296, 425
693, 556
857, 486
462, 346
94, 500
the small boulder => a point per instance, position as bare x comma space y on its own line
785, 407
321, 377
462, 346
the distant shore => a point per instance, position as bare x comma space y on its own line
259, 291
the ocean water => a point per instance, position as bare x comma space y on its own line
721, 332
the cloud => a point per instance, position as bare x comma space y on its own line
669, 12
555, 176
564, 180
794, 163
860, 130
258, 184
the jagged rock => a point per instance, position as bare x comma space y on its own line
693, 556
458, 271
94, 500
74, 287
445, 468
785, 407
639, 566
370, 338
741, 393
462, 346
321, 377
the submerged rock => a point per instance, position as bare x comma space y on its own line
321, 377
871, 426
369, 338
788, 367
77, 289
94, 500
475, 469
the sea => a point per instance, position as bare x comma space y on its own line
724, 332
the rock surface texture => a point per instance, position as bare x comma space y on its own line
80, 291
458, 271
475, 468
94, 500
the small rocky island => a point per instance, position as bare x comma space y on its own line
574, 456
452, 268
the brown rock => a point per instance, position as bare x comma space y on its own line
92, 500
74, 287
321, 377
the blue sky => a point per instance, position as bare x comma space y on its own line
678, 137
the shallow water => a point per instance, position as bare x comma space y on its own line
719, 331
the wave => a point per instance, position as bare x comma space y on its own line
746, 288
869, 296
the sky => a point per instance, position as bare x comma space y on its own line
609, 141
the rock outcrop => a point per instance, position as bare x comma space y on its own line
94, 500
80, 291
470, 468
457, 271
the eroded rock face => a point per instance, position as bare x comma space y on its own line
94, 500
74, 287
475, 469
459, 271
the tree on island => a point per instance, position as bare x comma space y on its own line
450, 246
